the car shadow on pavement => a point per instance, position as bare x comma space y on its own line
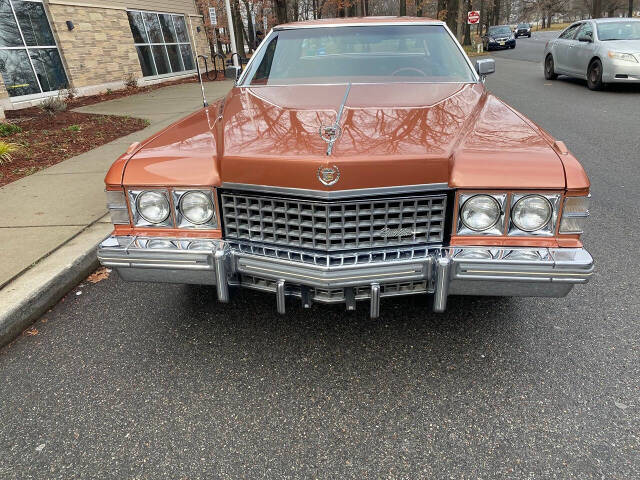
407, 330
620, 88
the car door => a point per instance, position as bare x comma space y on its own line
562, 46
581, 52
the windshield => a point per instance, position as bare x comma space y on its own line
367, 54
619, 31
523, 25
499, 30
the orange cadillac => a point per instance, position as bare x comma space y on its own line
354, 159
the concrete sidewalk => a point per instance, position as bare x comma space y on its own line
43, 212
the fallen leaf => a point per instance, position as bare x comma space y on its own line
78, 293
40, 447
101, 274
621, 405
31, 332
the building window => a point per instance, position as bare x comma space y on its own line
162, 42
30, 62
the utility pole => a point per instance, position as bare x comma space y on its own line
232, 34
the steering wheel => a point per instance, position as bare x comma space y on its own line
410, 69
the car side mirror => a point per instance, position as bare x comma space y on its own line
233, 72
485, 66
585, 38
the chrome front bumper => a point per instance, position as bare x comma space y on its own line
348, 277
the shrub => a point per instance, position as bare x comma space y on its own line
7, 129
53, 105
130, 80
6, 149
70, 93
73, 128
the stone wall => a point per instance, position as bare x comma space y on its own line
200, 40
100, 49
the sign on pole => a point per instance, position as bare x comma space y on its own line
264, 23
212, 16
473, 17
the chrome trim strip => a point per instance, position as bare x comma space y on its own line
357, 24
337, 194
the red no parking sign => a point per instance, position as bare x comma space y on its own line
473, 17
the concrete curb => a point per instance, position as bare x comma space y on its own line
28, 296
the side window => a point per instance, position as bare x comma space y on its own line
569, 32
585, 31
261, 76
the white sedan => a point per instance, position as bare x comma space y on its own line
601, 51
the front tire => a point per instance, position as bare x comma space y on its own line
594, 76
549, 69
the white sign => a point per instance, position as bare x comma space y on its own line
212, 16
264, 23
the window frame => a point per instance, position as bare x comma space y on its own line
27, 48
577, 26
258, 54
164, 44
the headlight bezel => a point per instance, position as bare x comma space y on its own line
138, 219
549, 229
496, 229
184, 222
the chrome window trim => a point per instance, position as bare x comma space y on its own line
549, 229
259, 51
182, 222
337, 194
497, 229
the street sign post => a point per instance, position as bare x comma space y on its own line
473, 17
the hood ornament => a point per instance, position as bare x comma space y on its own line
329, 175
331, 133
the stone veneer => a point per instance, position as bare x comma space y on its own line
100, 49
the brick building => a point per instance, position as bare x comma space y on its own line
93, 45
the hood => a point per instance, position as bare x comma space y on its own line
391, 134
622, 46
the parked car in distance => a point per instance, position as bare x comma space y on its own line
499, 36
600, 51
523, 30
353, 160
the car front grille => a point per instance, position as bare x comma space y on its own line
334, 225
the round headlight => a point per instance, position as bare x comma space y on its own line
480, 212
196, 207
531, 213
153, 206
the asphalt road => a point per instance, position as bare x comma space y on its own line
160, 381
529, 49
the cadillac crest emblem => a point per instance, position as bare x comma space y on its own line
328, 175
